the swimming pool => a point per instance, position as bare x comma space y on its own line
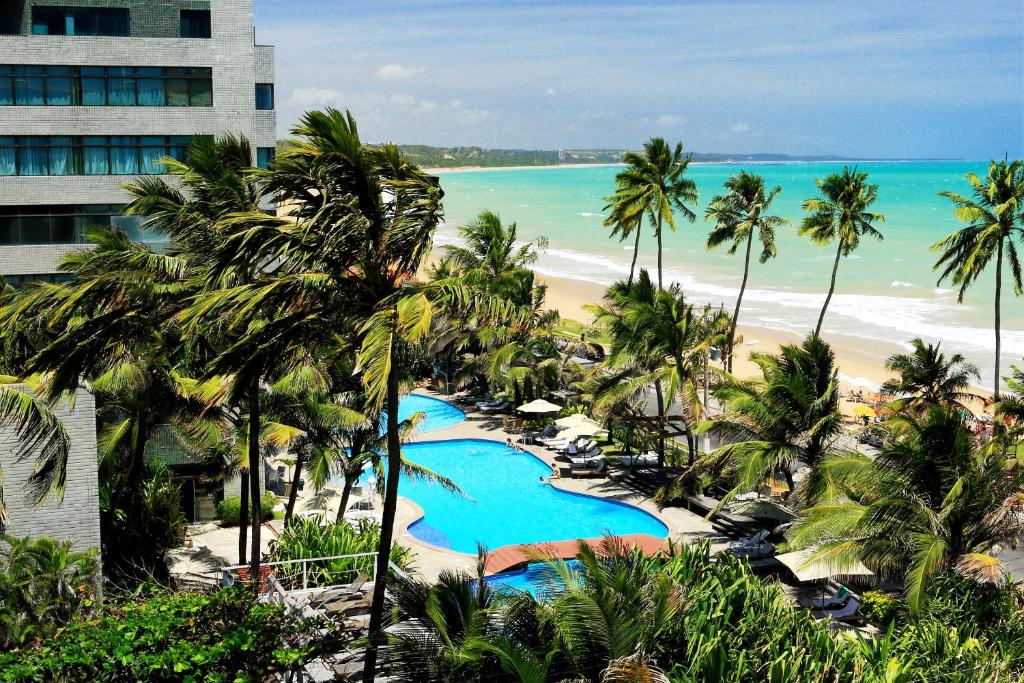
506, 501
439, 414
528, 578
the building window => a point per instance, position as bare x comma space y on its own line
195, 23
264, 156
264, 95
65, 223
79, 21
98, 86
39, 155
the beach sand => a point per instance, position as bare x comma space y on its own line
861, 361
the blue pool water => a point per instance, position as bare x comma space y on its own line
528, 578
439, 414
507, 503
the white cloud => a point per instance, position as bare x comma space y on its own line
550, 92
309, 98
668, 120
456, 104
395, 72
402, 100
740, 128
427, 105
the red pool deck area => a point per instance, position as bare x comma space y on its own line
509, 556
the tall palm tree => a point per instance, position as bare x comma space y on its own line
738, 215
932, 502
623, 228
790, 415
995, 231
653, 185
1011, 405
926, 378
841, 215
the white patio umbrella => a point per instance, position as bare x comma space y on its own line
805, 570
582, 430
539, 406
577, 420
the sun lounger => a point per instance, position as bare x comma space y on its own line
847, 611
497, 408
637, 460
750, 542
754, 552
834, 601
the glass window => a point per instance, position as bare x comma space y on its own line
79, 21
62, 229
59, 90
123, 155
264, 96
35, 229
195, 23
6, 90
202, 92
112, 22
61, 156
7, 164
264, 156
28, 85
177, 92
9, 232
151, 92
121, 92
94, 92
47, 21
153, 151
95, 156
32, 157
178, 149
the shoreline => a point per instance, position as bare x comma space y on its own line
482, 169
438, 170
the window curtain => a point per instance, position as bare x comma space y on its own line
94, 92
7, 165
60, 156
123, 157
32, 156
151, 92
94, 156
151, 155
121, 92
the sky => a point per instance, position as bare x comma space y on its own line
882, 79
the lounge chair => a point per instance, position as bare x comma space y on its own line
588, 463
750, 542
496, 408
586, 455
847, 611
834, 601
754, 552
636, 460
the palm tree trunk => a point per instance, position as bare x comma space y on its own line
255, 552
831, 288
739, 300
294, 493
243, 517
999, 286
636, 250
660, 285
346, 492
661, 425
387, 524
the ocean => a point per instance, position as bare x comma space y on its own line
885, 291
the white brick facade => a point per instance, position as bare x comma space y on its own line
77, 516
237, 66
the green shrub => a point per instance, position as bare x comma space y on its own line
880, 607
43, 586
224, 636
228, 509
309, 537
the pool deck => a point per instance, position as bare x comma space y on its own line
683, 526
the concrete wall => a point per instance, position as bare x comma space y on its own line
237, 66
77, 516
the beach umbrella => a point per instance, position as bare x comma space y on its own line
864, 411
571, 433
539, 406
576, 420
762, 508
805, 570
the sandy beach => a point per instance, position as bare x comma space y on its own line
480, 169
861, 362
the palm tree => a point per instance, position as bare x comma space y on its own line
738, 214
926, 378
1011, 405
791, 415
653, 186
995, 217
661, 341
623, 229
491, 247
841, 215
932, 502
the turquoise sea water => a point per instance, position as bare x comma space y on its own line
505, 502
886, 291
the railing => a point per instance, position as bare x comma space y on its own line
311, 570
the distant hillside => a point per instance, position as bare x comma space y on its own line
426, 156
